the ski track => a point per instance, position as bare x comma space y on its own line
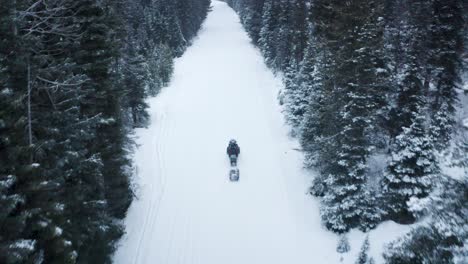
187, 211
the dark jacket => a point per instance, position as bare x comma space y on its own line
233, 149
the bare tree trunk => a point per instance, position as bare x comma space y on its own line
15, 28
29, 110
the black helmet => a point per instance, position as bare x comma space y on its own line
233, 141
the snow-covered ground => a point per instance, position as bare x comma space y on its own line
187, 211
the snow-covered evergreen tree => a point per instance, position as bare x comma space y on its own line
163, 26
191, 14
412, 167
251, 16
135, 74
300, 81
299, 29
363, 257
355, 94
373, 70
269, 29
14, 214
446, 48
343, 244
66, 83
460, 148
160, 65
444, 238
412, 161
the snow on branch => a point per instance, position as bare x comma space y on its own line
61, 83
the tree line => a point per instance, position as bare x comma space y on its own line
74, 76
372, 92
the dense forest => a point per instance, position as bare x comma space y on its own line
372, 91
74, 75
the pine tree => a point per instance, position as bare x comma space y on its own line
14, 213
409, 39
308, 99
412, 163
252, 18
64, 175
354, 96
446, 49
268, 32
319, 130
106, 147
363, 257
282, 43
48, 81
459, 157
134, 79
372, 72
185, 14
160, 66
298, 70
343, 245
443, 239
299, 30
411, 168
165, 27
295, 98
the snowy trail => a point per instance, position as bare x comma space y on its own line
187, 210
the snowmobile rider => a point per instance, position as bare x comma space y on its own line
233, 148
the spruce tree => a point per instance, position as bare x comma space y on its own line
299, 30
411, 169
49, 84
409, 43
165, 27
15, 246
268, 33
160, 66
343, 245
443, 238
371, 72
252, 18
187, 18
66, 87
363, 257
357, 93
446, 47
135, 74
295, 97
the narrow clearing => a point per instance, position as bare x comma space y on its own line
187, 211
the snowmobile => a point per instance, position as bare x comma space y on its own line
233, 171
233, 152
